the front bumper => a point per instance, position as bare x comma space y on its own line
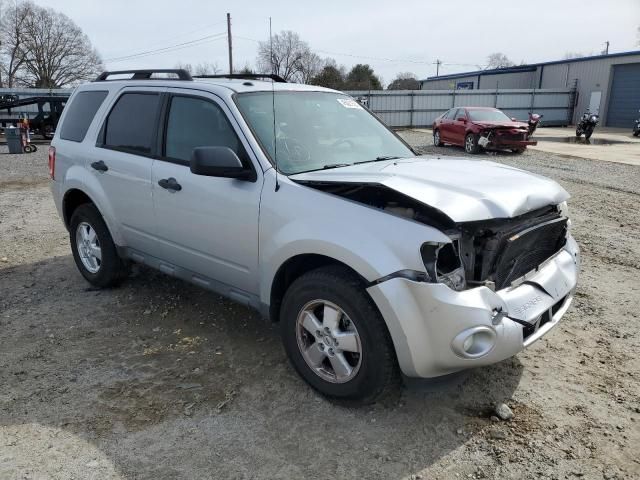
429, 321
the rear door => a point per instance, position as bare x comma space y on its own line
122, 163
458, 127
209, 227
445, 123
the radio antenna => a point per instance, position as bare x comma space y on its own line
273, 107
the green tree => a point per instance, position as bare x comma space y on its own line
405, 81
331, 76
362, 77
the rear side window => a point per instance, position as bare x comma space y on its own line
449, 114
197, 122
80, 115
131, 125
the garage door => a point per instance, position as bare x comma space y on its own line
625, 96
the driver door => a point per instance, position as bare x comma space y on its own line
458, 127
209, 226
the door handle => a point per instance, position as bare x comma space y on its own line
170, 184
100, 166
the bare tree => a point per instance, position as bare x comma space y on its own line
207, 68
54, 51
498, 60
286, 57
310, 66
184, 66
11, 40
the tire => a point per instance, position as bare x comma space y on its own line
436, 138
88, 226
471, 143
518, 151
635, 134
337, 291
578, 132
588, 132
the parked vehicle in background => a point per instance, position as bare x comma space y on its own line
477, 128
298, 202
588, 122
636, 127
534, 122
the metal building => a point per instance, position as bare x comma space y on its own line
606, 84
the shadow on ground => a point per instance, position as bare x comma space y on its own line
159, 379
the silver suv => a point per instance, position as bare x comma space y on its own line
297, 201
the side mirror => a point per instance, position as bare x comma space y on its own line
461, 119
219, 162
514, 119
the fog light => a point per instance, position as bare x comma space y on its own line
474, 342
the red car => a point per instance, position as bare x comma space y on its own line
475, 128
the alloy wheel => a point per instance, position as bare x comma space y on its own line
88, 247
468, 144
328, 341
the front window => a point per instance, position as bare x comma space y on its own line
488, 116
316, 130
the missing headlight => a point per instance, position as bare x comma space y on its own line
443, 265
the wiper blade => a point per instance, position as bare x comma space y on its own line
379, 159
336, 165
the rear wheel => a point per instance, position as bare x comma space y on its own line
518, 151
471, 143
335, 337
437, 141
93, 249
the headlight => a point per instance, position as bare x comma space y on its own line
443, 265
563, 209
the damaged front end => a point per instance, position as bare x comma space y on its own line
494, 253
507, 137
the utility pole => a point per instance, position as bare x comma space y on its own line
438, 63
606, 49
230, 44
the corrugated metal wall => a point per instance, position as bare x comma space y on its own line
419, 108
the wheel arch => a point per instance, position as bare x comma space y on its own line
292, 269
72, 199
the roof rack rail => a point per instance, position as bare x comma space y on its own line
145, 74
246, 76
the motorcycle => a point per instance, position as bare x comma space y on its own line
636, 128
534, 122
587, 123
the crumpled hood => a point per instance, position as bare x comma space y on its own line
465, 190
501, 124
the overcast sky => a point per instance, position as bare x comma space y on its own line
391, 36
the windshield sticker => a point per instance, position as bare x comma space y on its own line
349, 103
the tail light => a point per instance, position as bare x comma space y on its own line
52, 162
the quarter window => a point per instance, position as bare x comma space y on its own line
197, 122
80, 114
131, 125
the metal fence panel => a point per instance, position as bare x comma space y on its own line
419, 108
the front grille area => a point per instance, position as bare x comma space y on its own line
531, 328
512, 137
524, 251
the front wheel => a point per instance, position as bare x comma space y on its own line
471, 143
578, 132
518, 151
588, 132
335, 337
93, 249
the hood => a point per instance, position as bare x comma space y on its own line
465, 190
504, 124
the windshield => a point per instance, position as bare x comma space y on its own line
316, 130
488, 116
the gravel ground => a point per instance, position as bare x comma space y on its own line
158, 379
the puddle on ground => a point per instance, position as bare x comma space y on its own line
582, 140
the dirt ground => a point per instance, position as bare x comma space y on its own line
158, 379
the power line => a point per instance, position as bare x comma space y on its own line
177, 46
391, 60
180, 35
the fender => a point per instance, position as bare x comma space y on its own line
372, 242
79, 178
